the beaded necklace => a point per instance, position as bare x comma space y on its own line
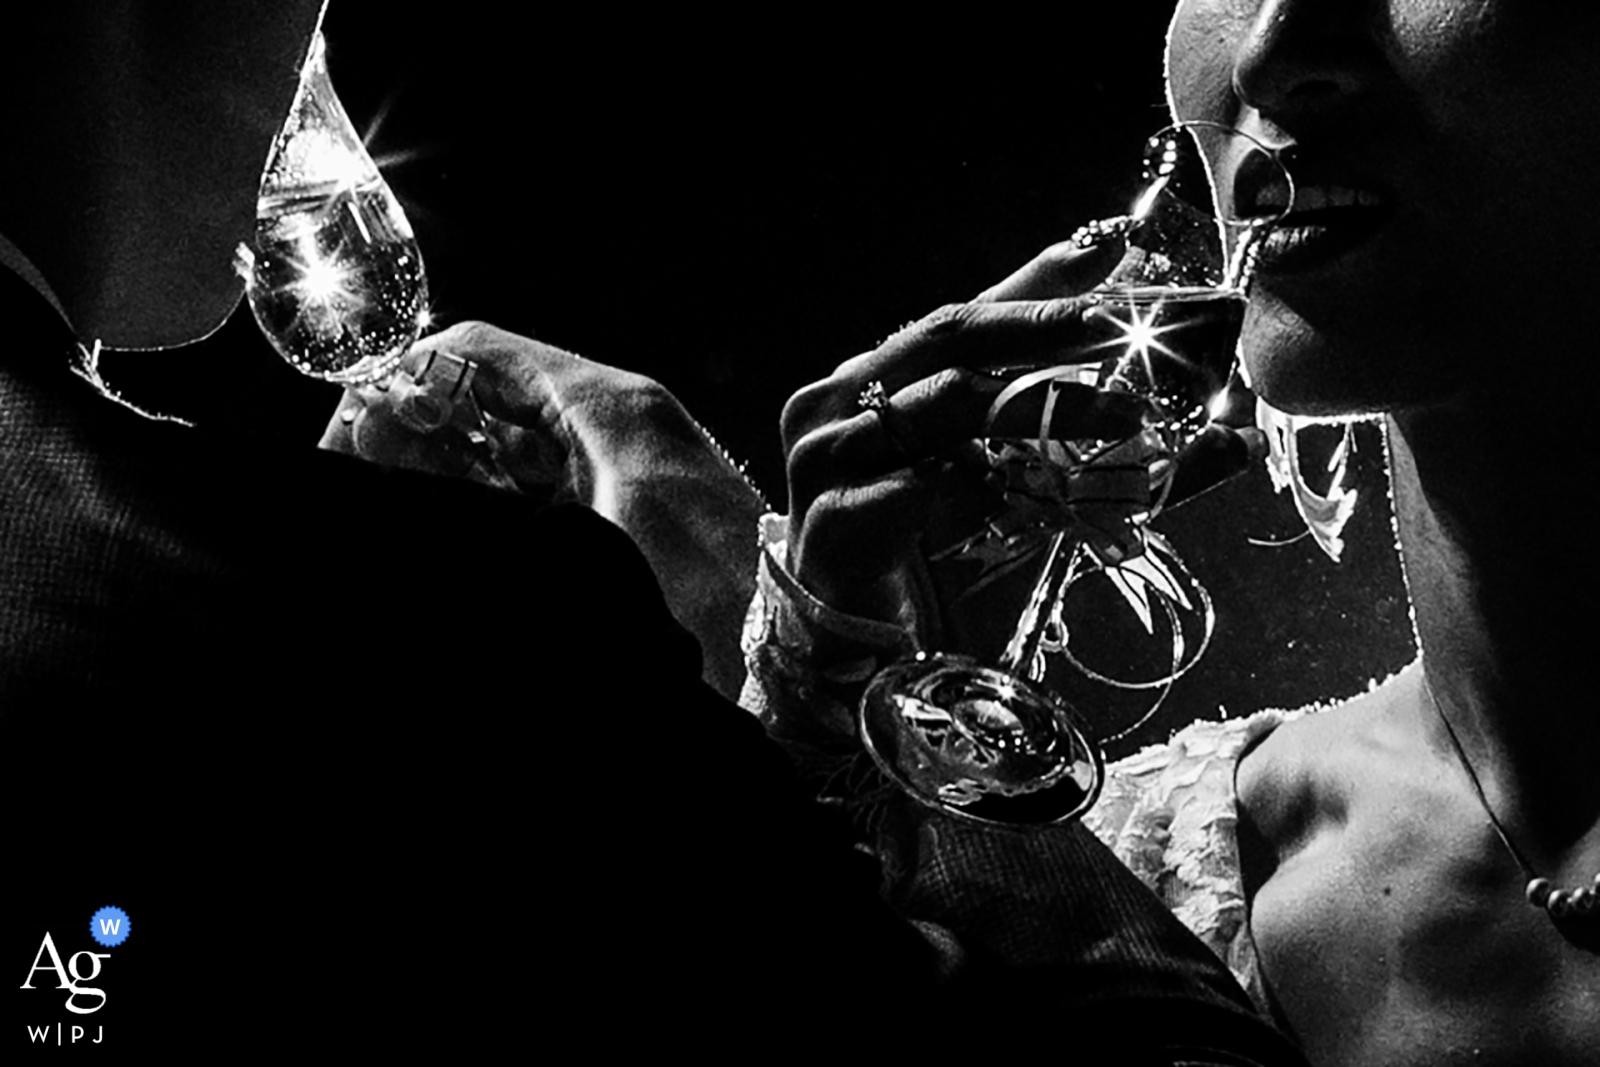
1582, 903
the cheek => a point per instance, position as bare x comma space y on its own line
1199, 60
1435, 45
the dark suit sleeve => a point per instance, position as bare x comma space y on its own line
703, 888
378, 762
1040, 924
700, 885
1053, 925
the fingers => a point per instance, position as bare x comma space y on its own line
939, 395
1074, 410
977, 335
928, 418
861, 475
434, 414
575, 404
854, 535
959, 336
1064, 269
942, 414
1034, 318
940, 417
514, 375
369, 427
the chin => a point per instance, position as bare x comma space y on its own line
163, 300
1303, 370
1291, 389
1289, 365
168, 311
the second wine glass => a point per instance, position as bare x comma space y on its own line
335, 279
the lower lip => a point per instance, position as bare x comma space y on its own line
1298, 247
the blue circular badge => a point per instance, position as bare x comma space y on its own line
109, 926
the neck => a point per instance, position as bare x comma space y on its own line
1486, 496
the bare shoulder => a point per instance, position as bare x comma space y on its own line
1299, 774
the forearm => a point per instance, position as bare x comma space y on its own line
643, 462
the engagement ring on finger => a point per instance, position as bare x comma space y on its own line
875, 398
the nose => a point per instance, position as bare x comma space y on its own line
1306, 58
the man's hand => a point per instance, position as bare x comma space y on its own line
560, 426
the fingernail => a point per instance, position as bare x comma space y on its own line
1102, 231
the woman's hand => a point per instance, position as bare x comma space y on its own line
564, 427
867, 487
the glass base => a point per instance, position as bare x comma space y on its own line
979, 743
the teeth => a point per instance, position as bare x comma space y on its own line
1316, 197
1275, 196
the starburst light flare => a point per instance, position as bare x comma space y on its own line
1142, 331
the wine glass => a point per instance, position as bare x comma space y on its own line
335, 279
990, 743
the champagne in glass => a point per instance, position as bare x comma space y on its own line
335, 279
334, 276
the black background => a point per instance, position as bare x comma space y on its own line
735, 205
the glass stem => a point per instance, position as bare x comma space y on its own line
1023, 648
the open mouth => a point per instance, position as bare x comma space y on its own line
1318, 219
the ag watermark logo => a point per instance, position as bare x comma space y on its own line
108, 927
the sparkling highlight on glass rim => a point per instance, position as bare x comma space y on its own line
333, 274
1140, 334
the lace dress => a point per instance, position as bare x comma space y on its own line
1168, 813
